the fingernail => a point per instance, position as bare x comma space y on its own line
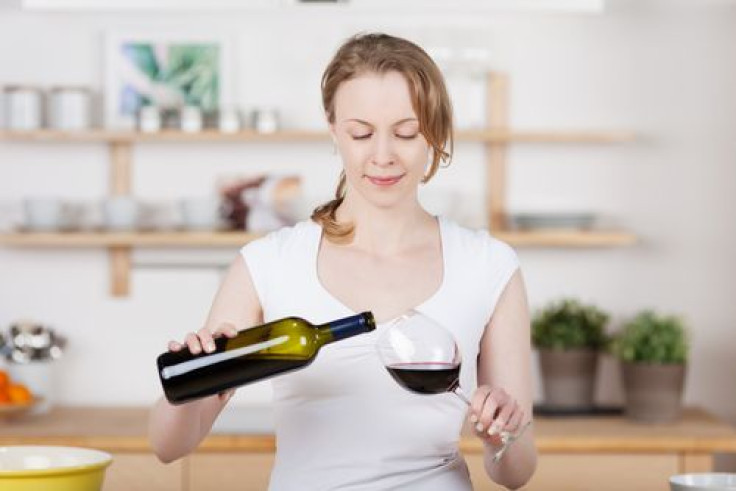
210, 346
479, 427
493, 429
195, 350
473, 418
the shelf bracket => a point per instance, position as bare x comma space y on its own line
121, 170
497, 119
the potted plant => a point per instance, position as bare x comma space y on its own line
653, 350
569, 336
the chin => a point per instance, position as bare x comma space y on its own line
385, 200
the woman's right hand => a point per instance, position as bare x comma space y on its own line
204, 340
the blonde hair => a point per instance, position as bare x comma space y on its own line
381, 53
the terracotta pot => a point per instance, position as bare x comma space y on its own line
568, 377
653, 391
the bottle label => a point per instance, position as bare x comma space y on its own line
212, 359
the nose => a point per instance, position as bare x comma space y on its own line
383, 153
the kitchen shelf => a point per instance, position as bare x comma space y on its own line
131, 137
127, 239
541, 238
495, 138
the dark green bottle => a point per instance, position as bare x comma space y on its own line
254, 354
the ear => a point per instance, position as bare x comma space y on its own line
333, 134
332, 130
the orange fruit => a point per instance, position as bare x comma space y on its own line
19, 394
4, 378
4, 397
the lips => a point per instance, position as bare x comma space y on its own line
384, 180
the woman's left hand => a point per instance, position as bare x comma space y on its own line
493, 410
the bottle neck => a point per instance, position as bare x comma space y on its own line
349, 326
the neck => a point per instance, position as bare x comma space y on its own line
384, 231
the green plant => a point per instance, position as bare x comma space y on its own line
568, 324
652, 338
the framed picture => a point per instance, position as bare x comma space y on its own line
164, 70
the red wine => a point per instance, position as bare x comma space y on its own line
426, 378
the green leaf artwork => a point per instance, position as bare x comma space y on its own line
169, 75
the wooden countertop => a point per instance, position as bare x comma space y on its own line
124, 429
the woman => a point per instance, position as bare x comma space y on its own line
343, 423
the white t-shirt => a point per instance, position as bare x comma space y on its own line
343, 422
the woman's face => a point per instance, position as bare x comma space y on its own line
377, 134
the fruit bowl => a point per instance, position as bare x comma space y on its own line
52, 468
18, 409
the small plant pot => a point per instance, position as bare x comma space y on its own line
568, 377
653, 391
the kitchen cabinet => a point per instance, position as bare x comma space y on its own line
495, 138
581, 453
572, 472
234, 471
142, 470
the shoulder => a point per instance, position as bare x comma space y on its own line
283, 240
479, 245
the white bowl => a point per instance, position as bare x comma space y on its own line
707, 481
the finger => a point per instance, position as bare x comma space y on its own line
205, 337
496, 399
476, 404
226, 395
174, 346
227, 329
231, 331
514, 422
193, 343
504, 416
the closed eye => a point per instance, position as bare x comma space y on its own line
362, 137
407, 137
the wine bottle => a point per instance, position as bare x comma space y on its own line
254, 354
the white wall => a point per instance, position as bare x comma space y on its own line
663, 68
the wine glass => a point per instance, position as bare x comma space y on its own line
423, 357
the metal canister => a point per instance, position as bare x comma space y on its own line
70, 108
23, 107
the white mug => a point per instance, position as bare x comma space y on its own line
120, 213
43, 214
191, 119
229, 120
201, 213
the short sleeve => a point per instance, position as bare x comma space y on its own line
501, 263
260, 258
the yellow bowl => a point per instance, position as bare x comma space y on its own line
52, 468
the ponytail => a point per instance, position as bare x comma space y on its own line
325, 215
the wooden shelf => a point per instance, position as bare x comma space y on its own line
566, 238
127, 239
237, 239
495, 138
130, 137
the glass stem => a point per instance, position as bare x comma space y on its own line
459, 392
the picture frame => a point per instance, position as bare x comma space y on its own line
168, 70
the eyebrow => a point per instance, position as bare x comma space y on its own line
402, 121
